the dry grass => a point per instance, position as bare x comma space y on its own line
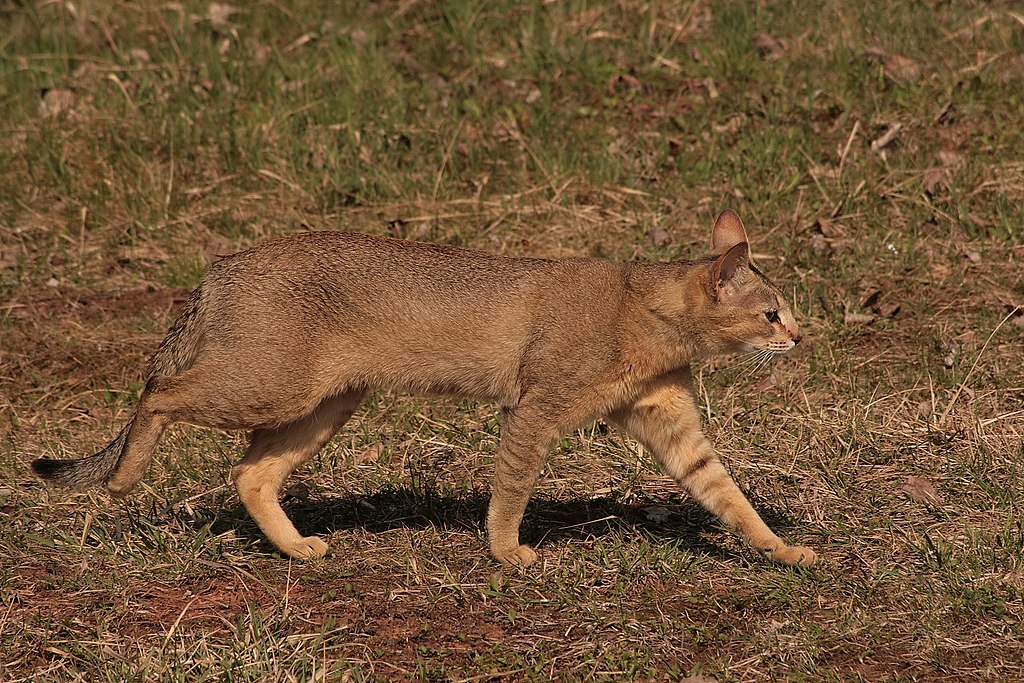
892, 444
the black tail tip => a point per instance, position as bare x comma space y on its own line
47, 468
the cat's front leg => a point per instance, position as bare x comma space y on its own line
666, 421
527, 435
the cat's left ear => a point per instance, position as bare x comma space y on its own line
727, 233
723, 274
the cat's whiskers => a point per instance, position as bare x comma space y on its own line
757, 360
751, 359
765, 358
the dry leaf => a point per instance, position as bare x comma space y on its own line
623, 82
897, 67
367, 454
932, 180
950, 158
219, 14
945, 113
767, 383
825, 227
858, 318
901, 68
888, 310
768, 47
887, 137
733, 413
496, 62
921, 490
657, 513
658, 236
533, 95
55, 101
709, 83
871, 297
7, 258
971, 255
820, 244
699, 678
297, 491
979, 221
730, 126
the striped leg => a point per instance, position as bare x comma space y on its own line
526, 437
666, 421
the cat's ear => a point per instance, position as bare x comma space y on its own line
727, 233
723, 274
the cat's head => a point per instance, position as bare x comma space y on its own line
751, 313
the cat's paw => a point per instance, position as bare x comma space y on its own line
121, 486
308, 548
794, 555
521, 556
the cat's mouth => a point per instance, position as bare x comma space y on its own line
774, 348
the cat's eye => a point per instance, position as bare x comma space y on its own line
773, 316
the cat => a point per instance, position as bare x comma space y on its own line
285, 338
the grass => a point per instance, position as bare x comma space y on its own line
144, 139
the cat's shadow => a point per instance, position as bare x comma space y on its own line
548, 521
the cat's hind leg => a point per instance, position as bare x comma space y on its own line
161, 404
666, 421
273, 455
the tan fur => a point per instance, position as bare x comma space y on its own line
285, 338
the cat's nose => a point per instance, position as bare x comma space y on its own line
797, 338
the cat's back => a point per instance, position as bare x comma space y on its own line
356, 267
316, 255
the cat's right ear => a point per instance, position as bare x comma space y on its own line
723, 274
727, 233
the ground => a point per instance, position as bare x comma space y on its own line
874, 152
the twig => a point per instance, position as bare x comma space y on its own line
846, 149
959, 389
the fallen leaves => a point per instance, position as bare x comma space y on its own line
219, 15
370, 454
901, 68
972, 255
874, 306
54, 101
858, 318
768, 47
658, 514
297, 491
886, 138
933, 179
921, 490
657, 236
897, 67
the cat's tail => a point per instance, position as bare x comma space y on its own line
84, 472
177, 353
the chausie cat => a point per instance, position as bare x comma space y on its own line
284, 339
